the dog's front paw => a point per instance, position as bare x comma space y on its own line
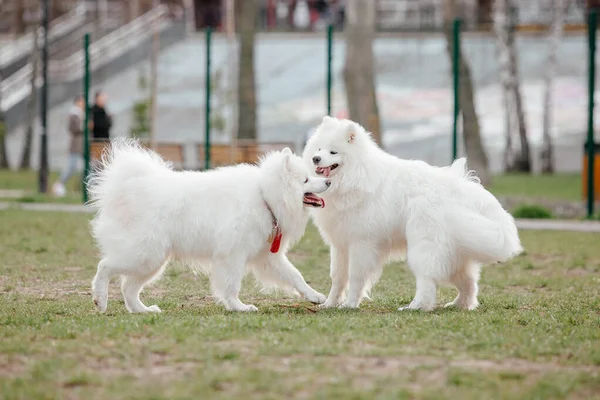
247, 308
154, 309
316, 298
329, 304
100, 302
349, 305
416, 306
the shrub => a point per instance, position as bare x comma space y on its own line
141, 111
533, 211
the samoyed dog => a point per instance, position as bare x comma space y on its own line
227, 219
381, 207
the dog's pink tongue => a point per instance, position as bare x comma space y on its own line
326, 171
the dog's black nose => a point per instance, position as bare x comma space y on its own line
328, 183
316, 159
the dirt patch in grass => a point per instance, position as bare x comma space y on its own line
243, 347
391, 365
420, 372
12, 366
50, 292
545, 258
575, 272
152, 371
578, 272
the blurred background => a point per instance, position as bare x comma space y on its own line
523, 76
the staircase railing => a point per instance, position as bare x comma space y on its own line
17, 86
22, 46
111, 45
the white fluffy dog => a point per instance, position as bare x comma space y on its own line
380, 206
230, 218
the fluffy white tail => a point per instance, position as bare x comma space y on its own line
485, 239
124, 160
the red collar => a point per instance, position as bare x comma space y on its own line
275, 236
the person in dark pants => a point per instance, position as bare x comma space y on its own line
102, 121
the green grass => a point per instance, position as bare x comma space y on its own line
554, 187
535, 336
28, 182
24, 180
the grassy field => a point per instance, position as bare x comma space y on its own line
27, 181
553, 187
536, 335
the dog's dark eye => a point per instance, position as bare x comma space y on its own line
306, 180
333, 152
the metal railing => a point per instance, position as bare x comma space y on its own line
17, 86
110, 46
427, 15
22, 46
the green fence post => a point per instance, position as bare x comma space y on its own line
456, 82
329, 60
592, 26
207, 100
86, 99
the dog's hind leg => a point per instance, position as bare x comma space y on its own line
132, 285
226, 282
428, 256
364, 265
339, 276
100, 283
424, 297
465, 281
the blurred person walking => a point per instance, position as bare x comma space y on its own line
75, 127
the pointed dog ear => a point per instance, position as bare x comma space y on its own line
286, 151
327, 119
351, 136
287, 156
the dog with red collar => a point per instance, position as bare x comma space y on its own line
231, 220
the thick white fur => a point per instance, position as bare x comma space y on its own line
149, 213
381, 207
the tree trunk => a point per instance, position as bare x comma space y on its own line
3, 155
518, 155
18, 23
547, 157
231, 98
3, 151
476, 155
154, 53
247, 12
31, 104
359, 77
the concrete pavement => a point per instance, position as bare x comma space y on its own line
524, 224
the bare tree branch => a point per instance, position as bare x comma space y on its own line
517, 156
31, 103
556, 31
